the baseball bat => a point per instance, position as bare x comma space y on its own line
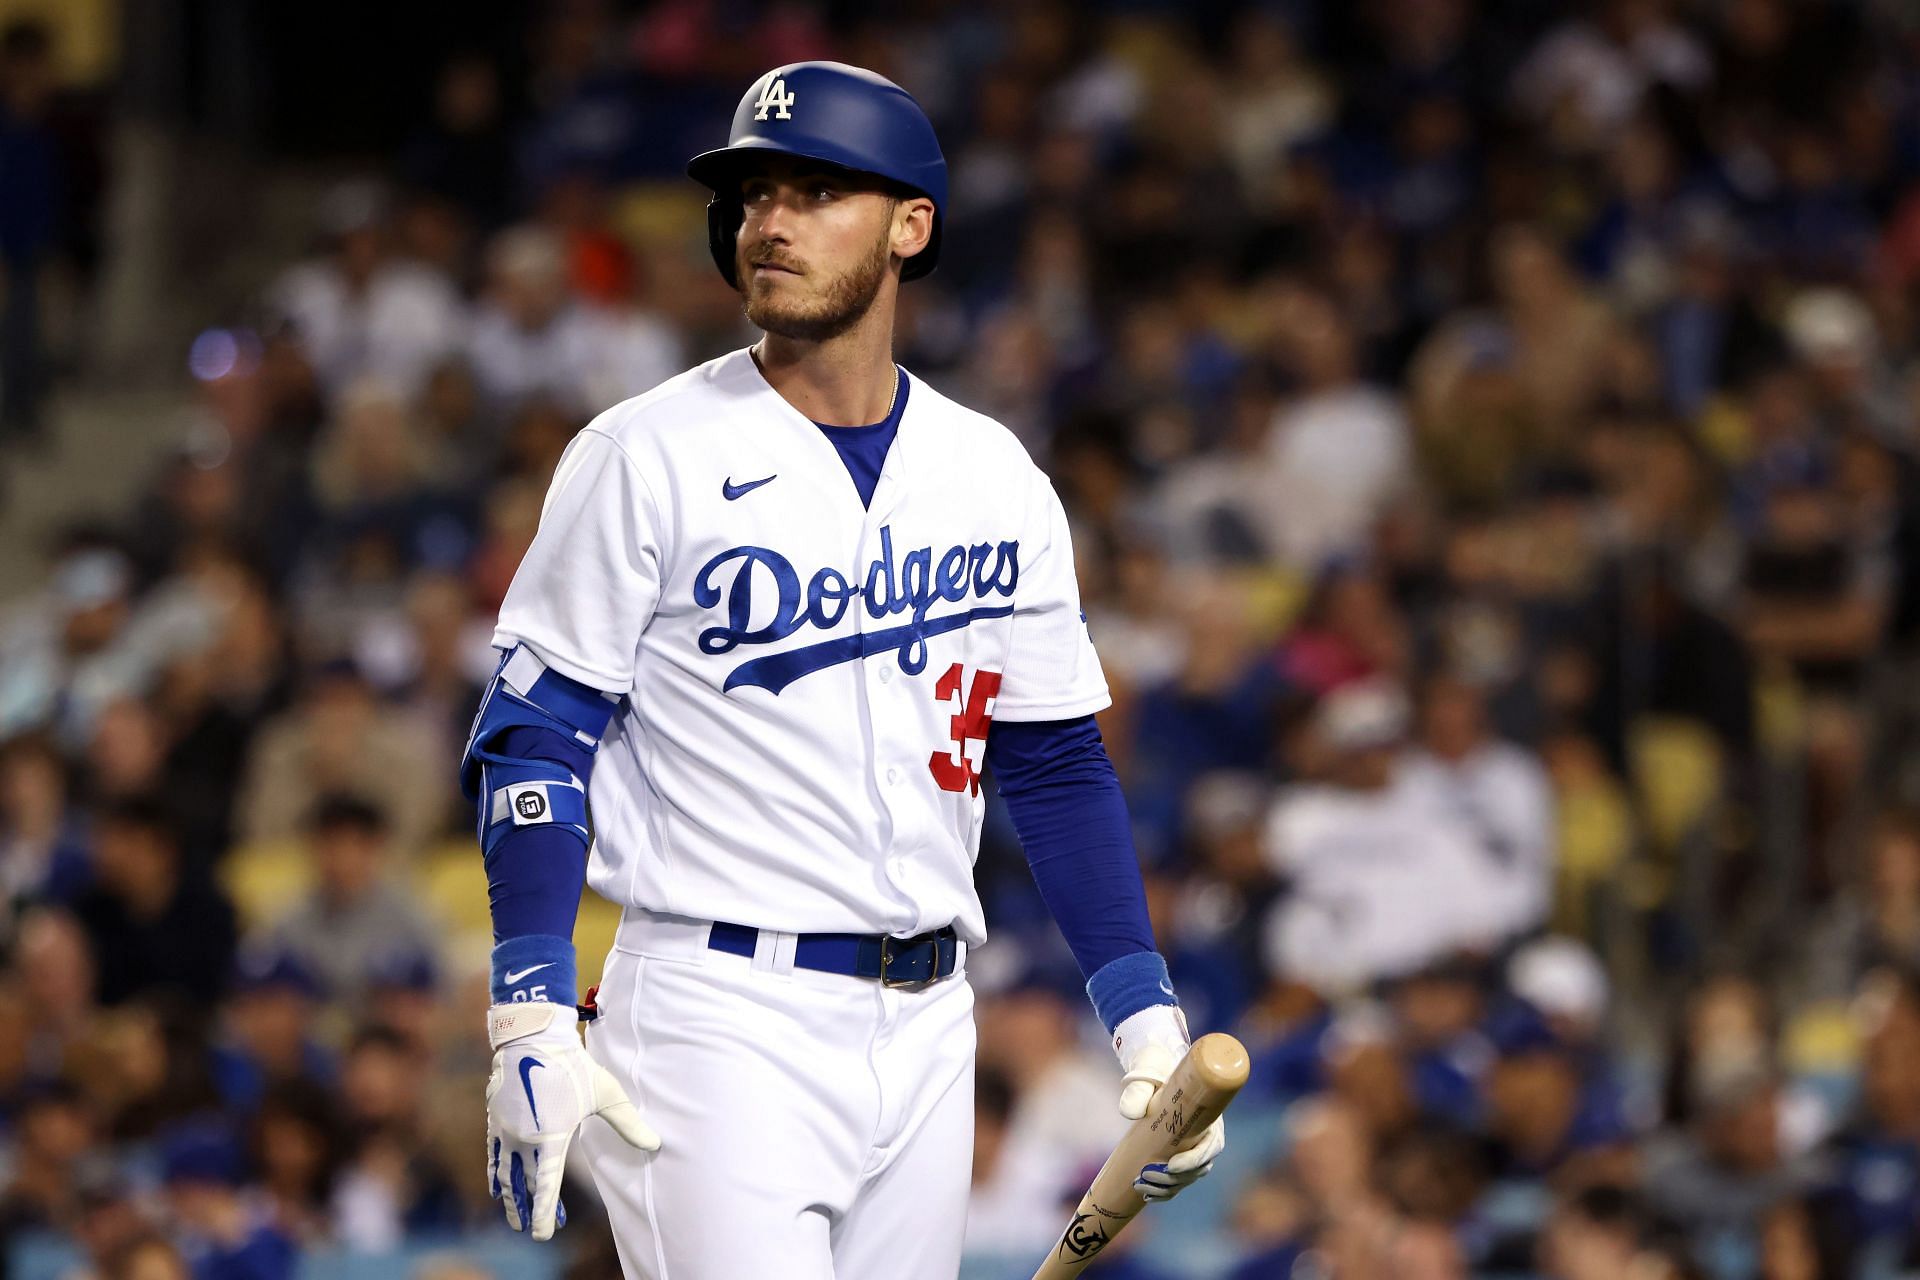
1192, 1098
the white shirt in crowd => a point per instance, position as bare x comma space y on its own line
1336, 458
1501, 792
407, 320
1382, 883
585, 357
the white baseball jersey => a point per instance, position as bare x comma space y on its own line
807, 682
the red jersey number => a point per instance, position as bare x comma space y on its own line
957, 768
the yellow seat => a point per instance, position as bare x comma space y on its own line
593, 932
1595, 836
1676, 766
265, 879
1780, 713
658, 213
451, 882
1823, 1039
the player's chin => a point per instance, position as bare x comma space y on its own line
791, 317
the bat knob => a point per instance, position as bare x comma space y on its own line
1220, 1061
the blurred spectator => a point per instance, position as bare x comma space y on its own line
1380, 881
454, 432
1834, 335
1878, 1152
1875, 922
1214, 711
153, 926
376, 512
532, 339
1214, 504
297, 1146
1349, 630
1807, 1240
1593, 1235
444, 662
1062, 1118
1209, 928
42, 845
1498, 789
146, 1257
1273, 1224
68, 653
1735, 1162
53, 1135
337, 737
224, 1231
359, 309
390, 1183
1276, 98
464, 154
1339, 451
357, 919
405, 995
269, 1025
1590, 73
54, 977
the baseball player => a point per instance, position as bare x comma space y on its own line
780, 612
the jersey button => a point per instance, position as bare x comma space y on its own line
893, 777
886, 672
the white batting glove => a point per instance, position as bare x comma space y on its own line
543, 1086
1150, 1044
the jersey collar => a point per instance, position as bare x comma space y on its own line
769, 405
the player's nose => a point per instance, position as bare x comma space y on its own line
775, 221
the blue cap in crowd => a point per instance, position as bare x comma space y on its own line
262, 969
201, 1151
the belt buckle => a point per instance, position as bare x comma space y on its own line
886, 961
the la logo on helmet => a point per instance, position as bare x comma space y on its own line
775, 95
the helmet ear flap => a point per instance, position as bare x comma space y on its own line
723, 234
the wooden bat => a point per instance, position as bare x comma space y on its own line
1192, 1098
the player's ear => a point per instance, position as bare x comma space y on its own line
912, 225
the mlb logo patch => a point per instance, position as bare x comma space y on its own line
529, 802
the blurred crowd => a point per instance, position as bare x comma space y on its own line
1490, 432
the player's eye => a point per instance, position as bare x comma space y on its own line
824, 191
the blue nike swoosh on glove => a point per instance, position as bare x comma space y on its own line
729, 490
526, 1069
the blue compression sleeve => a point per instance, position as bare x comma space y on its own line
1066, 804
535, 876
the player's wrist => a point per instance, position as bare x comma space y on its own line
1124, 987
1161, 1028
533, 969
507, 1023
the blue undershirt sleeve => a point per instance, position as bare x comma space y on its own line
1067, 807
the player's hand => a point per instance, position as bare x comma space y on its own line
1150, 1044
543, 1086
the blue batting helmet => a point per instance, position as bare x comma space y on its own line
843, 116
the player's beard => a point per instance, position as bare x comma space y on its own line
845, 301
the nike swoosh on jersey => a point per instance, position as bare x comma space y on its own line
510, 977
526, 1070
729, 490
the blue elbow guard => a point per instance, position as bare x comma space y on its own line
512, 791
